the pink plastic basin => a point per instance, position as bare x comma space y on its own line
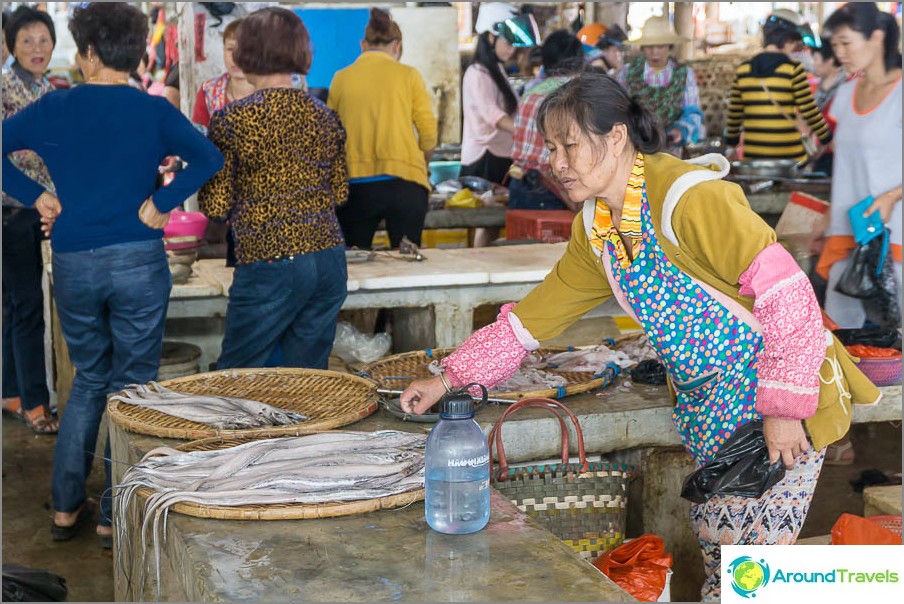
185, 224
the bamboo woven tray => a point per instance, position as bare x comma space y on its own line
330, 399
283, 511
398, 371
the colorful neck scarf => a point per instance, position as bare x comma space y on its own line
603, 230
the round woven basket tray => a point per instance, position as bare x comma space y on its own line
283, 511
398, 371
330, 399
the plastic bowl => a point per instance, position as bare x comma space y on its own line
881, 371
185, 224
443, 170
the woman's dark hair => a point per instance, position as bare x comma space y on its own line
825, 51
232, 29
865, 18
778, 32
595, 103
116, 31
381, 29
486, 55
273, 40
23, 17
562, 52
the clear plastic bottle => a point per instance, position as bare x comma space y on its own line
457, 457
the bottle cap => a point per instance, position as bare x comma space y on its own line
457, 404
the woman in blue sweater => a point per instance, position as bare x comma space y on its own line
111, 279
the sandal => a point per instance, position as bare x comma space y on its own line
41, 421
839, 454
65, 533
13, 406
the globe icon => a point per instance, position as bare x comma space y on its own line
748, 575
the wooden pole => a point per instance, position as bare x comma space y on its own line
187, 86
684, 26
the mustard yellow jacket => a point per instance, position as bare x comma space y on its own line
382, 104
710, 233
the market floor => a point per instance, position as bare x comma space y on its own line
27, 512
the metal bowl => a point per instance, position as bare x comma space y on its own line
782, 168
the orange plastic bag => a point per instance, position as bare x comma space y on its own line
639, 566
850, 529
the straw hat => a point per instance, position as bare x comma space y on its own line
657, 31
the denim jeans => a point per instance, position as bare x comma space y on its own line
112, 304
24, 373
291, 302
524, 197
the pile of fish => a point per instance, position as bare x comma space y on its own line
330, 466
221, 412
590, 360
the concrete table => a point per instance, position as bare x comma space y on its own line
624, 424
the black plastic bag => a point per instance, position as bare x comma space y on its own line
23, 584
884, 308
741, 467
860, 278
870, 336
650, 372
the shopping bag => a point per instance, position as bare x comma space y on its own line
639, 566
860, 278
584, 503
740, 468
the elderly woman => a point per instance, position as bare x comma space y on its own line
284, 176
385, 108
30, 37
728, 311
230, 86
666, 87
111, 278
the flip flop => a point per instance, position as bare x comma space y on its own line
65, 533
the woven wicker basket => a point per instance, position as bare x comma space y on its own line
330, 399
398, 371
283, 511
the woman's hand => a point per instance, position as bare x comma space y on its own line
48, 206
151, 216
421, 395
785, 439
885, 204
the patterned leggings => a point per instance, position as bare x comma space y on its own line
774, 519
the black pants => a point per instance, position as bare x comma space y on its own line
490, 167
401, 203
24, 374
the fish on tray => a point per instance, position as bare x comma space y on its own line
221, 412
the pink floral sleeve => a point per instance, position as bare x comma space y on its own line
490, 355
793, 337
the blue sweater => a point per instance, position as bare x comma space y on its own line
102, 146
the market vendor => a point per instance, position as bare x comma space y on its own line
726, 308
664, 86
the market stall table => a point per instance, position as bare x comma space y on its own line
382, 555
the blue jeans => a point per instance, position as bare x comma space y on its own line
292, 302
112, 304
24, 373
525, 197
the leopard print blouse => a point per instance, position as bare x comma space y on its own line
284, 174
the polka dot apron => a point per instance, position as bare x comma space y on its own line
709, 353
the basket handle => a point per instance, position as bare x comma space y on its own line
495, 437
555, 407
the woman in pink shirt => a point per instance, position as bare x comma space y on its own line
489, 102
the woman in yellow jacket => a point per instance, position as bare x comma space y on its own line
381, 104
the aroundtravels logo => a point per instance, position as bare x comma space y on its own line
748, 575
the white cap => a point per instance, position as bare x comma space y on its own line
492, 13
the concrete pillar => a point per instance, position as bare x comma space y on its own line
610, 13
188, 86
684, 26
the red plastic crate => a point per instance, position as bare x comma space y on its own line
545, 225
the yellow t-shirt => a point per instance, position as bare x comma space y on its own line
385, 108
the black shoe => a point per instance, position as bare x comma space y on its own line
65, 533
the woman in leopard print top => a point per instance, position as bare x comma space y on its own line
284, 176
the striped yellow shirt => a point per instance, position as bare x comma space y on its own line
763, 114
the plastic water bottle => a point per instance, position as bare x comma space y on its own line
457, 499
